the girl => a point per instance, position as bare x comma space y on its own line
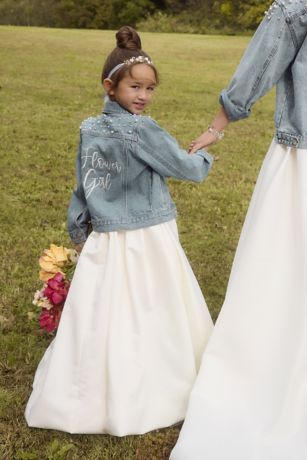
135, 322
250, 399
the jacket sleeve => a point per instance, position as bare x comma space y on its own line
267, 57
78, 216
162, 153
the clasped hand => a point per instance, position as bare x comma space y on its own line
202, 141
212, 134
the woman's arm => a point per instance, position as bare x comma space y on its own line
268, 55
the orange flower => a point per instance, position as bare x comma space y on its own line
52, 260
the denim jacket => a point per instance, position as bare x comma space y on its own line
122, 162
277, 54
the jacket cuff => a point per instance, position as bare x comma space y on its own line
206, 156
233, 112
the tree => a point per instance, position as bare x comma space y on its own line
232, 15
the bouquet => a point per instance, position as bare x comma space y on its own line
57, 267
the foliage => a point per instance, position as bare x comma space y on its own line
50, 84
240, 15
89, 14
197, 16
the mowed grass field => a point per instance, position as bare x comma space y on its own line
50, 82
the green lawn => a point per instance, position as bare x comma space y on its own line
50, 82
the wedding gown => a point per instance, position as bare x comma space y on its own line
250, 398
130, 339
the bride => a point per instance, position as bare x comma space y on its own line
250, 398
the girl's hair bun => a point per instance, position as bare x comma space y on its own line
128, 38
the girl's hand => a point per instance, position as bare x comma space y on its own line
79, 247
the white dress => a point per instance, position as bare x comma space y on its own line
130, 340
250, 398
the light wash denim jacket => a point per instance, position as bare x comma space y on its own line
122, 163
277, 54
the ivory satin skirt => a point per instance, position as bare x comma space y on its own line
249, 401
130, 340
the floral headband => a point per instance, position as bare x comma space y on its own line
133, 60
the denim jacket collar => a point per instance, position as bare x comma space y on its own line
115, 107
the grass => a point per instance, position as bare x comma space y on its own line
49, 82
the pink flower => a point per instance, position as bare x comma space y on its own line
49, 319
57, 289
57, 267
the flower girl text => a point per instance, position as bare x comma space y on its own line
96, 164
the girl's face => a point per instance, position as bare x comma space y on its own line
134, 92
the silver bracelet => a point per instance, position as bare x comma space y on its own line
218, 134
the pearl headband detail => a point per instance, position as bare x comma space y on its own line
133, 60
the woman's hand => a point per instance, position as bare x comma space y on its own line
202, 141
213, 133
